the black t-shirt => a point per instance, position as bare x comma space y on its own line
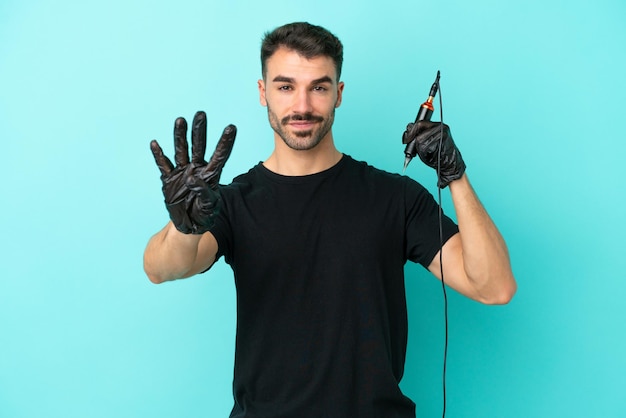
319, 263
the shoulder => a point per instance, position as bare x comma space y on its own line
250, 188
376, 176
243, 181
248, 177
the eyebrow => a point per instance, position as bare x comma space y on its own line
284, 79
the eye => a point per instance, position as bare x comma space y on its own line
320, 88
284, 87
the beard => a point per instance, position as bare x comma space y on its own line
301, 140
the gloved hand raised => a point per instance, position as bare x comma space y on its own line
190, 188
427, 136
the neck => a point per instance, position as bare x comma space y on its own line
289, 162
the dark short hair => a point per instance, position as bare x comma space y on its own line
308, 40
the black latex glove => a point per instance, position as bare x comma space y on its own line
427, 136
190, 188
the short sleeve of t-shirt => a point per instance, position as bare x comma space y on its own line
423, 238
222, 230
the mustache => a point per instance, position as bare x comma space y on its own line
309, 117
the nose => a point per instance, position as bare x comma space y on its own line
302, 102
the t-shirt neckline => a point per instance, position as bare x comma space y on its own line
281, 178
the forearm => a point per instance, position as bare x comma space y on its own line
485, 256
170, 254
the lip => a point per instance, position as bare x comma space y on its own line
301, 124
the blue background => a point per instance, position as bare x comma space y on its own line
533, 90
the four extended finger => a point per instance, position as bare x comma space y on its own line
222, 149
180, 142
221, 153
198, 138
164, 163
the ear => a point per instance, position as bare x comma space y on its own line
261, 85
339, 94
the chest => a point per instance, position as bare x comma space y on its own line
317, 221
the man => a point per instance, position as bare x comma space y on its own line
318, 241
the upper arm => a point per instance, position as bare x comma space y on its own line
453, 268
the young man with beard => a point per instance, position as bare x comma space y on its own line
318, 242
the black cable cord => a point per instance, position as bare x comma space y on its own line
443, 283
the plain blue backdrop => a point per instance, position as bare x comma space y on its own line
533, 91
